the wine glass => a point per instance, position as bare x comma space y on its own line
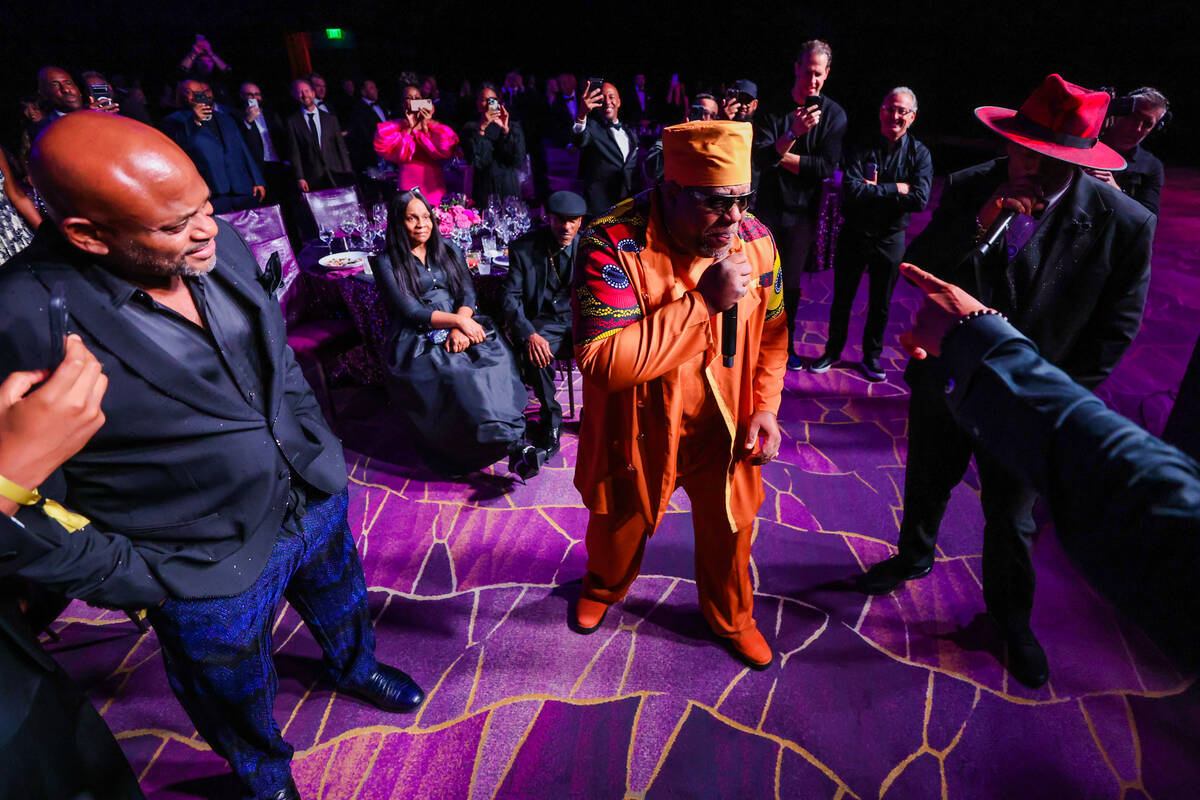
326, 236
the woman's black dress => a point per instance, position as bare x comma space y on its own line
464, 409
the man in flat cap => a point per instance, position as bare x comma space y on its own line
537, 305
652, 279
1071, 272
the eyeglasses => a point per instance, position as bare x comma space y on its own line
904, 112
722, 203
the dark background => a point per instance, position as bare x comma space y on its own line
954, 55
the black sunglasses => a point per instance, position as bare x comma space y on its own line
721, 203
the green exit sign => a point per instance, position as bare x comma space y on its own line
333, 33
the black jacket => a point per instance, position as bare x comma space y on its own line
218, 150
784, 197
1142, 179
525, 283
275, 129
1076, 288
360, 134
325, 167
879, 211
197, 479
496, 157
607, 177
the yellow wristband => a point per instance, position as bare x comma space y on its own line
30, 497
17, 493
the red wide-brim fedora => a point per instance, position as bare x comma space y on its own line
1060, 120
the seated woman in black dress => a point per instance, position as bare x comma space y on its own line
452, 375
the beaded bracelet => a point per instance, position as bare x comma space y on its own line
976, 314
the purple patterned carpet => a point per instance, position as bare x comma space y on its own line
899, 696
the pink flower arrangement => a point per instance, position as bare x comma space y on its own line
454, 214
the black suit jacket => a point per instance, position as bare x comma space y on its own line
218, 151
360, 136
197, 479
323, 167
607, 177
275, 129
1076, 288
525, 283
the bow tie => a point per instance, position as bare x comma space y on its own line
616, 126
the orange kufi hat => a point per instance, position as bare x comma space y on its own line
707, 153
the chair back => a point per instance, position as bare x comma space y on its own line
557, 183
562, 162
526, 173
330, 206
265, 233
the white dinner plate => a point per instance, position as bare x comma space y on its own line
347, 260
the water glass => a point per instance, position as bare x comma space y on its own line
326, 237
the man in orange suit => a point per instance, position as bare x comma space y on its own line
660, 408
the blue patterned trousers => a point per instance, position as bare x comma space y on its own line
217, 651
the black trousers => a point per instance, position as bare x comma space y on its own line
881, 261
938, 454
556, 331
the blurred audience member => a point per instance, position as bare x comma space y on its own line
212, 140
319, 92
741, 101
60, 96
266, 139
675, 102
315, 144
640, 110
18, 215
607, 149
419, 144
366, 115
100, 94
565, 109
494, 146
1130, 120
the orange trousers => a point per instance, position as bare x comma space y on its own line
616, 542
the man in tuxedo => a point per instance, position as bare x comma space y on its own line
639, 110
607, 150
214, 459
212, 139
1071, 272
537, 305
365, 115
320, 89
316, 148
794, 152
265, 137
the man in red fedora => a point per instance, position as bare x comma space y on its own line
1070, 269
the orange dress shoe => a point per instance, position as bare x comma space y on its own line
750, 648
589, 614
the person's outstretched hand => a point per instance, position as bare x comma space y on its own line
945, 304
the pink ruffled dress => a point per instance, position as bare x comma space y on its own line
419, 153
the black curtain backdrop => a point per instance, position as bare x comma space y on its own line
955, 55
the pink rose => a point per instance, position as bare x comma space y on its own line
445, 225
473, 217
461, 220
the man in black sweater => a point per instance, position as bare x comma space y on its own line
794, 153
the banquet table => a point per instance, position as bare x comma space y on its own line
355, 291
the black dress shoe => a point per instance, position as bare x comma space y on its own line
548, 442
387, 688
523, 460
289, 792
890, 573
1026, 658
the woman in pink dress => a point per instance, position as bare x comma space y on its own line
419, 144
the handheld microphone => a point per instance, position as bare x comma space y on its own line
729, 335
999, 226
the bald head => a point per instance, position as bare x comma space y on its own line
90, 163
112, 183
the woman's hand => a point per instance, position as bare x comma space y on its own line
457, 341
471, 329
